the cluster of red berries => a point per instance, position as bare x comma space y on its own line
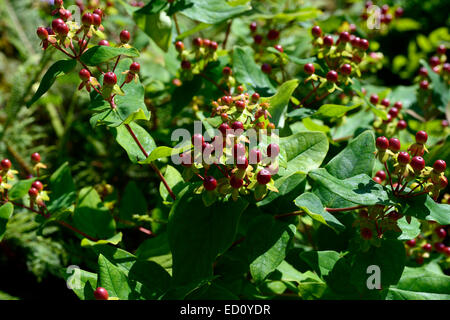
195, 60
376, 220
432, 238
394, 121
250, 167
411, 166
387, 14
439, 65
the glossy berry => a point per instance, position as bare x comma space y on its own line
439, 246
444, 123
253, 26
206, 43
385, 102
399, 12
42, 33
423, 72
273, 150
278, 48
210, 183
381, 174
424, 84
186, 65
103, 43
411, 243
374, 99
417, 163
332, 76
446, 67
394, 144
179, 46
403, 157
240, 105
434, 61
393, 112
109, 79
439, 166
364, 44
255, 156
421, 137
56, 23
309, 68
227, 100
84, 74
266, 68
87, 19
5, 164
197, 139
33, 192
443, 182
38, 185
427, 247
377, 179
257, 38
98, 12
101, 294
235, 182
62, 29
316, 31
36, 157
263, 176
58, 3
255, 97
401, 124
273, 34
135, 67
441, 49
213, 46
242, 162
366, 233
355, 41
398, 105
382, 143
198, 42
328, 41
440, 232
346, 69
238, 150
344, 37
223, 128
125, 36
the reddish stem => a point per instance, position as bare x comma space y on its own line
344, 209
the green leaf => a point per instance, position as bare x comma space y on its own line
425, 208
92, 217
441, 92
157, 25
57, 69
20, 189
83, 283
409, 230
6, 212
335, 110
100, 54
63, 193
312, 205
357, 86
175, 181
248, 73
420, 284
132, 202
115, 239
197, 237
125, 139
280, 101
213, 11
161, 152
303, 151
360, 189
113, 279
322, 262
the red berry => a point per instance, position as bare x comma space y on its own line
84, 74
33, 192
238, 150
38, 185
374, 99
273, 34
65, 15
279, 48
440, 232
417, 163
206, 43
411, 243
434, 61
223, 128
273, 150
56, 23
446, 251
255, 156
355, 41
424, 84
394, 144
381, 174
109, 79
316, 31
328, 41
441, 49
87, 19
210, 183
263, 176
198, 42
382, 143
179, 46
213, 46
186, 65
240, 105
385, 102
427, 247
237, 125
446, 67
235, 182
5, 164
399, 12
344, 37
389, 118
421, 137
439, 166
62, 29
98, 12
42, 33
227, 99
226, 71
258, 38
135, 67
255, 97
439, 246
403, 157
444, 123
384, 9
332, 76
242, 162
401, 124
423, 72
419, 260
266, 68
240, 89
58, 3
125, 36
309, 68
36, 157
398, 105
253, 26
366, 233
393, 112
443, 182
352, 27
377, 180
364, 44
101, 294
346, 69
197, 139
103, 43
